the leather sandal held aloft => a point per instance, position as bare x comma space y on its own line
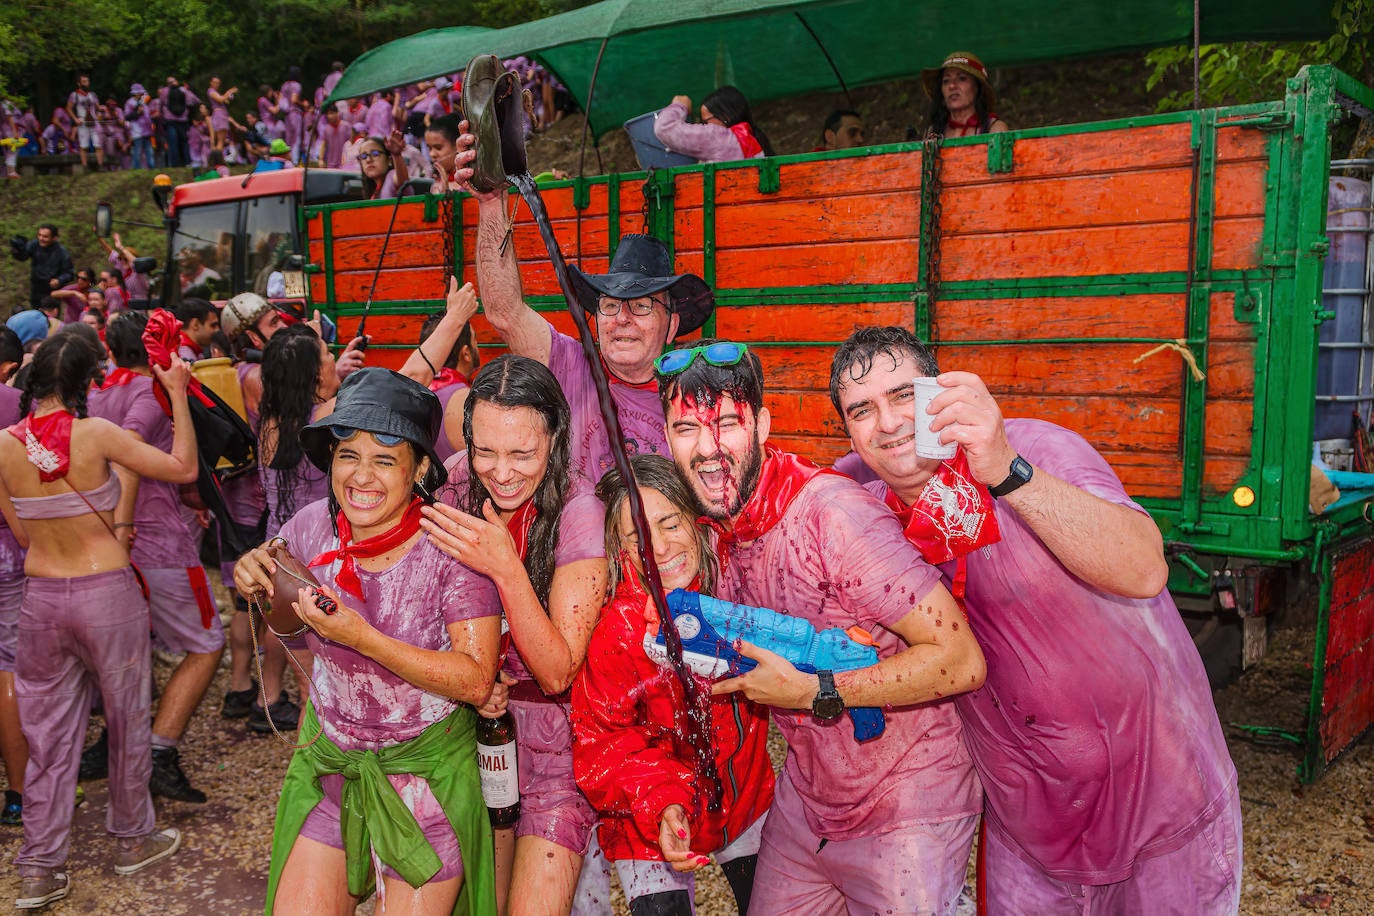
494, 105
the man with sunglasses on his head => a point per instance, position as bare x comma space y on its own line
638, 307
882, 826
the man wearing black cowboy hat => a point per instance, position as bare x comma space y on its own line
639, 307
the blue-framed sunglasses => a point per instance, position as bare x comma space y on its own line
721, 353
344, 433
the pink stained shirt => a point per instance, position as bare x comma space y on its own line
198, 141
838, 558
139, 120
192, 102
85, 105
330, 81
380, 120
292, 116
442, 447
333, 139
162, 536
272, 129
135, 284
581, 533
352, 148
639, 410
363, 704
703, 142
114, 300
54, 140
1095, 735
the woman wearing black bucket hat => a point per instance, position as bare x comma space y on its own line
513, 512
405, 642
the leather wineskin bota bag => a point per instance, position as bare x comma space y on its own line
282, 619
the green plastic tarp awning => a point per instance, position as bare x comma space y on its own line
651, 50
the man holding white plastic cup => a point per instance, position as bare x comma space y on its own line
1108, 783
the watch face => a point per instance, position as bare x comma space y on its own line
1021, 468
828, 707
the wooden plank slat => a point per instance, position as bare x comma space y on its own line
808, 322
1146, 315
1063, 252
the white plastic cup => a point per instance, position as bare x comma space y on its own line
928, 444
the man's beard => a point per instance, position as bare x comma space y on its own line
750, 472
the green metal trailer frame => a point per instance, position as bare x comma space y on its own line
1281, 299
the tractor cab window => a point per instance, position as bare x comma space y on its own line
270, 239
203, 247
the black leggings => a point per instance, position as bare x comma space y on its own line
739, 872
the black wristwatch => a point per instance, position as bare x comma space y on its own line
1020, 475
828, 704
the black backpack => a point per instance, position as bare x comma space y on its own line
176, 101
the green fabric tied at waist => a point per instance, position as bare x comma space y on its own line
373, 816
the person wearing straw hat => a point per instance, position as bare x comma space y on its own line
963, 102
384, 788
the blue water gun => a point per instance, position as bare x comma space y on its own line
710, 627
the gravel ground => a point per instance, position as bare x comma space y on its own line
1306, 847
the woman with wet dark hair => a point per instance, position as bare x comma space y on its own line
511, 513
298, 387
727, 131
84, 619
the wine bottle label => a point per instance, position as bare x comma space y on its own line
500, 774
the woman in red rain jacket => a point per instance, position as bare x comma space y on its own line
630, 754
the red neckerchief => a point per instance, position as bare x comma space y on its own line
47, 442
519, 525
972, 123
650, 385
159, 339
780, 481
447, 377
745, 136
188, 343
118, 378
378, 544
951, 518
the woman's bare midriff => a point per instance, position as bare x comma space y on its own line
63, 548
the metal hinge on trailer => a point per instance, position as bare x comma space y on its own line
1273, 120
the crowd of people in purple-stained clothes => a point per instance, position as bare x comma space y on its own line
214, 127
1038, 686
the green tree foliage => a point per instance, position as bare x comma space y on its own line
1254, 71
